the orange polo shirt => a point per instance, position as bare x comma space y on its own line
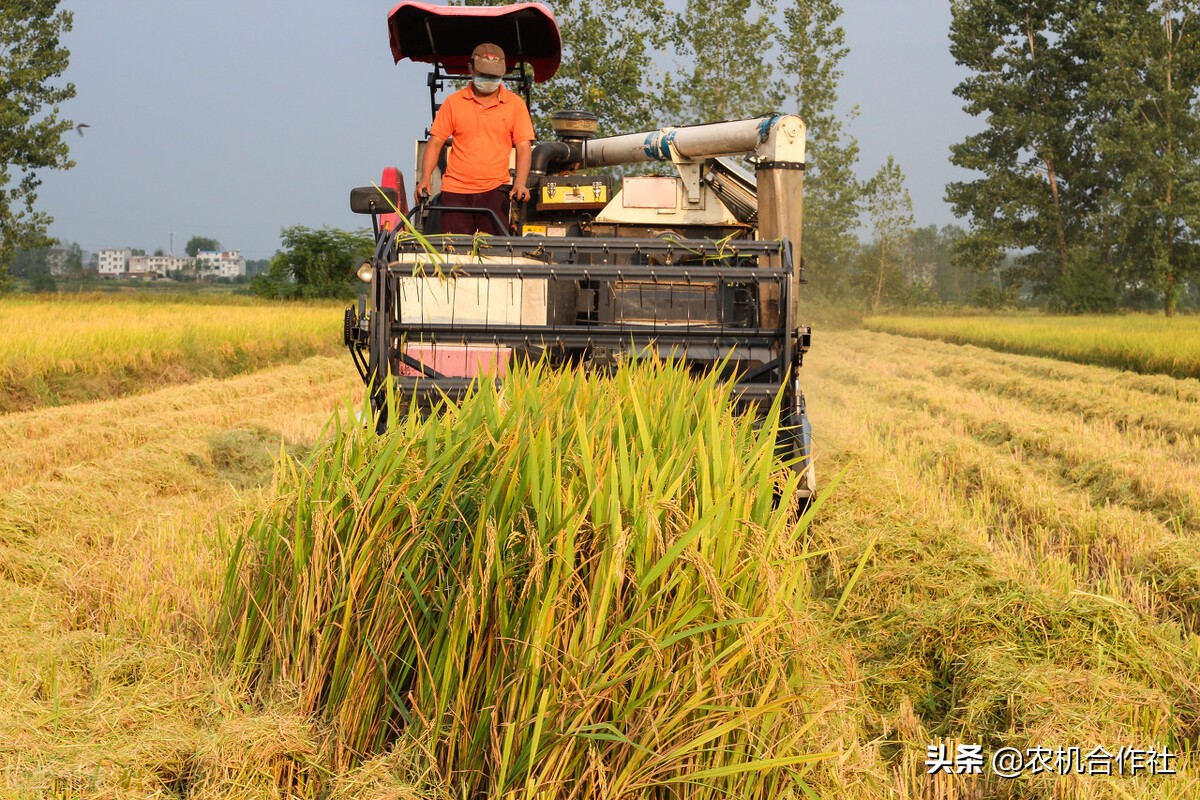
483, 139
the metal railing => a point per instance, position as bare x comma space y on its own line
755, 343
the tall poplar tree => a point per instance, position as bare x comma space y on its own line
1147, 124
813, 47
889, 207
726, 46
608, 66
31, 130
1034, 156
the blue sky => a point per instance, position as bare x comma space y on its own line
235, 118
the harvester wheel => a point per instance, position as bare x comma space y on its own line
795, 444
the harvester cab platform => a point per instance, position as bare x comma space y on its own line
699, 263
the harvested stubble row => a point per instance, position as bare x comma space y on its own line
576, 586
1118, 509
1136, 404
1100, 460
111, 558
1004, 601
1115, 413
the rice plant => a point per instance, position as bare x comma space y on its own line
71, 349
571, 586
1136, 342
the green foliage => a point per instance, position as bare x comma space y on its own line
314, 264
1090, 158
729, 72
890, 209
1087, 285
198, 243
934, 264
31, 131
608, 67
40, 279
35, 266
813, 47
731, 59
994, 298
74, 260
1148, 139
1032, 195
28, 261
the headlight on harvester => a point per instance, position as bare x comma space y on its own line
366, 272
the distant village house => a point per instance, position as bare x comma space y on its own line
56, 261
114, 262
220, 263
119, 262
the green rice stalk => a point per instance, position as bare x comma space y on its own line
568, 586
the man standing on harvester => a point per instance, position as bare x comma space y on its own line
487, 121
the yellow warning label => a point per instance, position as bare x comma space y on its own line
533, 230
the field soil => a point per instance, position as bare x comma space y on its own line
1010, 557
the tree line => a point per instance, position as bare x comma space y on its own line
738, 59
1089, 186
1086, 186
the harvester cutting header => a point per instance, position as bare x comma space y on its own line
701, 265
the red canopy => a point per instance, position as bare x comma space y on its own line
446, 35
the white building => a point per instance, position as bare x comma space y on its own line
160, 266
56, 260
114, 261
220, 263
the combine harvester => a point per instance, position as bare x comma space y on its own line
701, 266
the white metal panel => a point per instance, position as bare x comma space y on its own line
494, 301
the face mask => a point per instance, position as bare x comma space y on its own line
485, 85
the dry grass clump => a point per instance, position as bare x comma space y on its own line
1136, 342
576, 586
66, 350
266, 755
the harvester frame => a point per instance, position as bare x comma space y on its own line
598, 277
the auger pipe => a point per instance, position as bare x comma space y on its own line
554, 156
777, 144
693, 142
777, 138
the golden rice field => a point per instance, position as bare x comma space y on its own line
93, 347
1150, 344
1009, 557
